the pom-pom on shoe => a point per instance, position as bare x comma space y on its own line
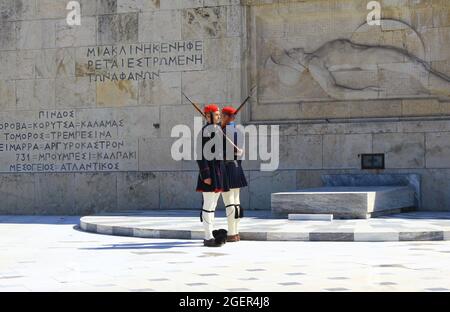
220, 236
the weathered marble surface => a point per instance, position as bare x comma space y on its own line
344, 201
262, 225
310, 217
324, 55
43, 67
412, 180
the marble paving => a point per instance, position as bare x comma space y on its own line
262, 226
51, 254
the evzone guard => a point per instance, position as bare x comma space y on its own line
234, 174
216, 177
212, 179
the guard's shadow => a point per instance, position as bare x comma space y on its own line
150, 245
137, 246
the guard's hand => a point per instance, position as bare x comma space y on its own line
208, 181
239, 152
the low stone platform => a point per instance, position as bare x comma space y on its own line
262, 226
344, 202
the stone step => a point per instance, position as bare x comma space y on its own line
259, 225
346, 202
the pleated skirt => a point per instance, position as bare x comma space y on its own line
219, 178
235, 174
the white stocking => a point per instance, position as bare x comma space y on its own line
209, 204
231, 199
228, 200
237, 202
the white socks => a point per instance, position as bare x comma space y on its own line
232, 204
209, 204
231, 201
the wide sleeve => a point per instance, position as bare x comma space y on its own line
203, 163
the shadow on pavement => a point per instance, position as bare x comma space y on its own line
50, 220
150, 245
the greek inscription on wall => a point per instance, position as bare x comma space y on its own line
142, 61
65, 141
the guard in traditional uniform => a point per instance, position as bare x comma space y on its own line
211, 180
235, 175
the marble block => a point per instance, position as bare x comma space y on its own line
310, 217
354, 202
411, 180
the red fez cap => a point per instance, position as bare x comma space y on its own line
229, 110
211, 108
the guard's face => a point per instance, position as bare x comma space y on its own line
216, 117
227, 119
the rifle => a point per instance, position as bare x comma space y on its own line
246, 100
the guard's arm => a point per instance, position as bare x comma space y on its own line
203, 163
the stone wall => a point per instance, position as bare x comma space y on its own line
75, 140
